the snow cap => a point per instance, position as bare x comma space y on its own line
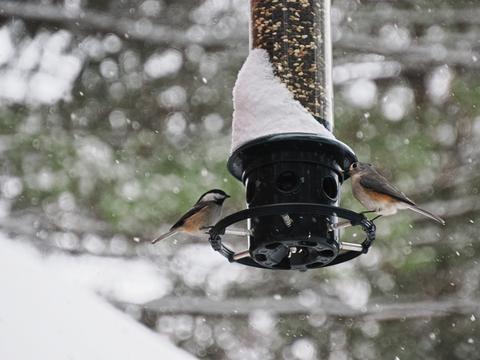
264, 106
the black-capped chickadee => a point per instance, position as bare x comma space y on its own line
375, 192
204, 214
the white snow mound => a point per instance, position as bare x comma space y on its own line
264, 106
44, 315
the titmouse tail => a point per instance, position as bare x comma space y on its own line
165, 236
428, 214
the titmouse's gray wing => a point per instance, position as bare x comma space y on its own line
373, 180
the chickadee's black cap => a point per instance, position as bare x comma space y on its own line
215, 191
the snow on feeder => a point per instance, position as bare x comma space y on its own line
283, 149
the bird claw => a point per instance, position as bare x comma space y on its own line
216, 242
208, 228
369, 227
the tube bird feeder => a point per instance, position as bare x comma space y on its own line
283, 149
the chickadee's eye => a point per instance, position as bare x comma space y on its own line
354, 165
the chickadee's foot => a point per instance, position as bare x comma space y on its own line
207, 228
216, 242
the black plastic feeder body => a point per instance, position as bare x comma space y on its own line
292, 169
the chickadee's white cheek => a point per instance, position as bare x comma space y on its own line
209, 197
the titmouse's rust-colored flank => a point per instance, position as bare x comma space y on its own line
374, 192
204, 214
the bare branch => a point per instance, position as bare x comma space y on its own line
327, 306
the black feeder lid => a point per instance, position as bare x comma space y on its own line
245, 156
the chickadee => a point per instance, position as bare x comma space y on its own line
204, 214
374, 192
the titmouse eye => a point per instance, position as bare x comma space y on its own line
355, 165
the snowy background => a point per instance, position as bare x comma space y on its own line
116, 115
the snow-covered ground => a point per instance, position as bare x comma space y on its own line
44, 315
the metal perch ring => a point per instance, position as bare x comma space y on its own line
352, 250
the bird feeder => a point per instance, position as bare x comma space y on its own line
283, 149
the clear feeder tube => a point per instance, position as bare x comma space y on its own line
296, 35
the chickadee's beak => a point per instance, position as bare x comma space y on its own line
227, 196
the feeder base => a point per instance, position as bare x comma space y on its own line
294, 254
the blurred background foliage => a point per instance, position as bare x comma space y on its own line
115, 116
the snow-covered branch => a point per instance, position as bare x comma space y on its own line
426, 17
141, 29
327, 306
419, 54
415, 55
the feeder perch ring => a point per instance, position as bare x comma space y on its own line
218, 230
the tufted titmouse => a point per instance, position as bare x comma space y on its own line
204, 214
374, 192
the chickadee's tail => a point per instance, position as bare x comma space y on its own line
427, 214
165, 236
